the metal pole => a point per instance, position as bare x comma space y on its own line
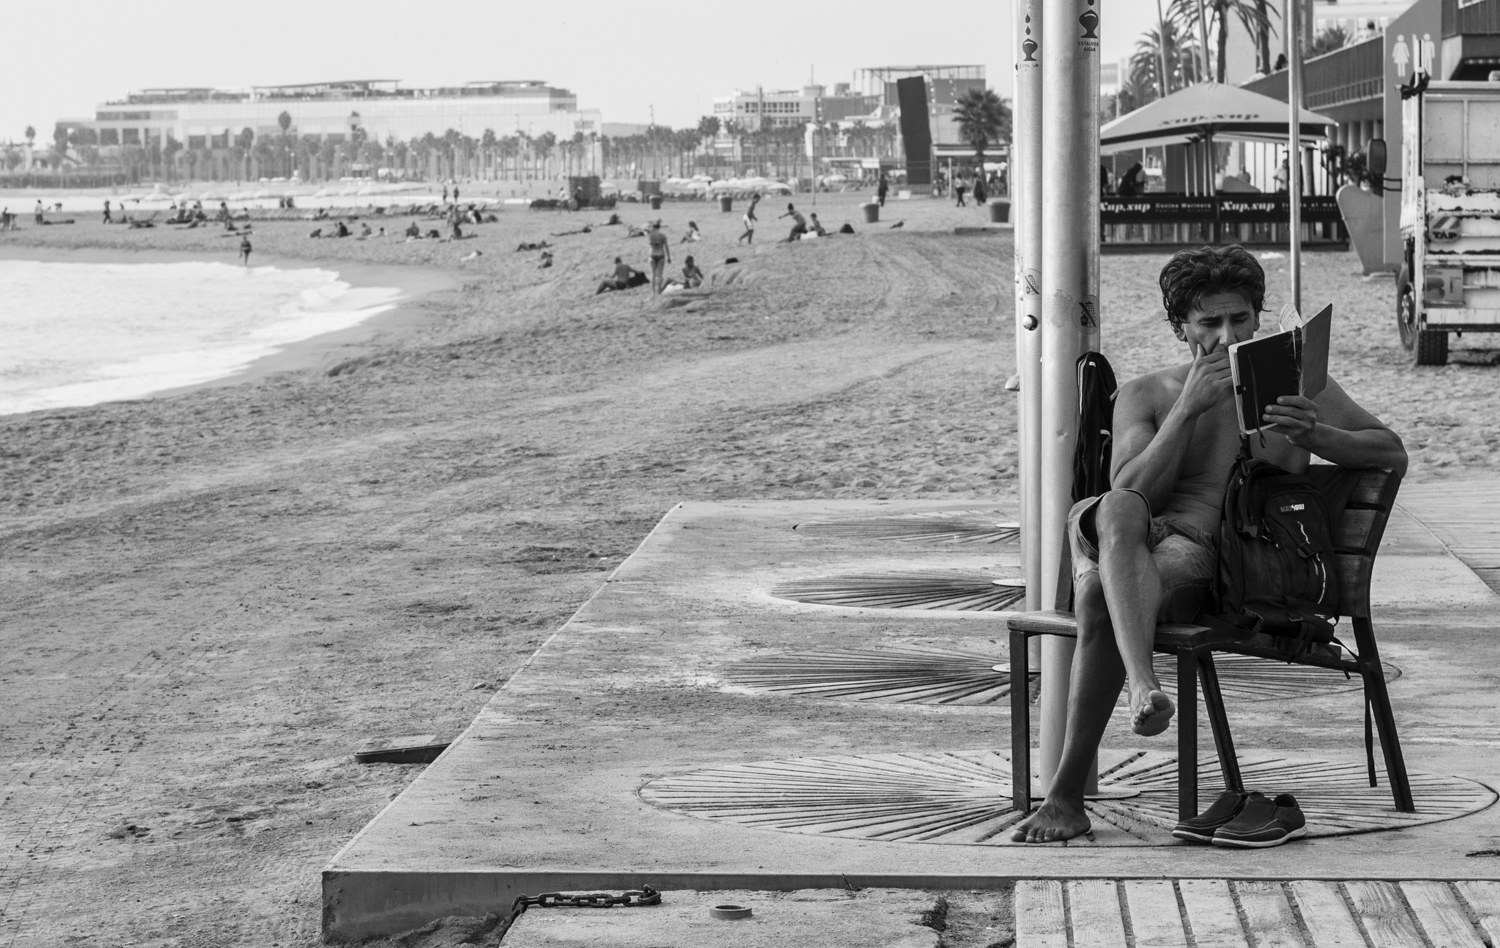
1026, 186
1161, 52
1070, 307
1203, 76
1292, 27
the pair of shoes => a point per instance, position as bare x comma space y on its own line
1246, 819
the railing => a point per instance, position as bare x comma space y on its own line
1348, 74
1466, 18
1241, 218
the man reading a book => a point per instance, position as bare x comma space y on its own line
1145, 551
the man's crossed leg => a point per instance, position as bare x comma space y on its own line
1126, 566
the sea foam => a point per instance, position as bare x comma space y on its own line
83, 333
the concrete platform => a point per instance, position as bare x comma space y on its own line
546, 790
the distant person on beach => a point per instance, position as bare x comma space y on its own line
817, 226
1130, 183
107, 218
692, 277
413, 232
693, 234
7, 220
749, 220
625, 277
799, 224
41, 213
981, 193
882, 189
245, 250
1283, 177
958, 191
445, 194
661, 255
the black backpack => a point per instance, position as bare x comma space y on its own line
1277, 568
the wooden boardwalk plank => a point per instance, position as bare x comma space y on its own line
1379, 908
1040, 920
1484, 899
1268, 915
1441, 915
1155, 919
1211, 914
1095, 907
1327, 916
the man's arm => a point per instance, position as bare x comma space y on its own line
1147, 457
1338, 430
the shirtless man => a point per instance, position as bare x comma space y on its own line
661, 255
1152, 536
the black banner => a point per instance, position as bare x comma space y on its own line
916, 130
1224, 208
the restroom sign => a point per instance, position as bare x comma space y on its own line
1415, 53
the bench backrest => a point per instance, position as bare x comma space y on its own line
1356, 538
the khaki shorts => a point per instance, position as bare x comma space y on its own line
1186, 557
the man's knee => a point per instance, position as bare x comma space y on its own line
1089, 605
1121, 517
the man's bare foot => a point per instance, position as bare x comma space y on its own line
1052, 823
1153, 711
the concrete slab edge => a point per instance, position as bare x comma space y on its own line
358, 905
330, 869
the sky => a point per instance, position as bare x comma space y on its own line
635, 63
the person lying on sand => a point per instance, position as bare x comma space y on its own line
626, 277
585, 229
525, 246
633, 231
1175, 437
546, 261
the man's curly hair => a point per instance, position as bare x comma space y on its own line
1192, 274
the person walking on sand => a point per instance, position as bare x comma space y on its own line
245, 250
661, 255
958, 191
107, 218
40, 213
799, 224
882, 189
749, 219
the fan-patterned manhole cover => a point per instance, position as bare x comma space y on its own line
921, 674
962, 797
962, 591
968, 526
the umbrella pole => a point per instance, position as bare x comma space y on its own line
1292, 27
1026, 182
1070, 310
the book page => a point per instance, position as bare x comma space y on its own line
1316, 333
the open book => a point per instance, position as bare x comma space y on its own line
1291, 362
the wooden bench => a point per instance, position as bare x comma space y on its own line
1356, 541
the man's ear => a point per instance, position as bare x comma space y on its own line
1177, 331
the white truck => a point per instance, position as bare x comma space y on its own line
1450, 216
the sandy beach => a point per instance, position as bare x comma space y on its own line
213, 597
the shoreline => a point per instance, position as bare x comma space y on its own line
402, 321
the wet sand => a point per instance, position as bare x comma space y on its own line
212, 599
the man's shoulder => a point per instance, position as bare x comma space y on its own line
1166, 381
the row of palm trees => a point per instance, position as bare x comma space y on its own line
657, 152
1170, 56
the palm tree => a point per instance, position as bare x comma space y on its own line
1177, 51
982, 118
1327, 41
1250, 13
285, 121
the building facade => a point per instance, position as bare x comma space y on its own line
212, 118
762, 108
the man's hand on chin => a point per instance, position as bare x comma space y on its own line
1295, 418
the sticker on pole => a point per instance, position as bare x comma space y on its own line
1088, 312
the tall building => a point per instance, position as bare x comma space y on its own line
761, 108
211, 118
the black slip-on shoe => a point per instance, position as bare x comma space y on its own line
1200, 829
1263, 823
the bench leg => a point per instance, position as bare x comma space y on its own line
1213, 702
1020, 723
1385, 720
1187, 735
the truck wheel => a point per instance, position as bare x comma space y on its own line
1406, 311
1432, 347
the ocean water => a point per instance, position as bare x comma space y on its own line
82, 333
